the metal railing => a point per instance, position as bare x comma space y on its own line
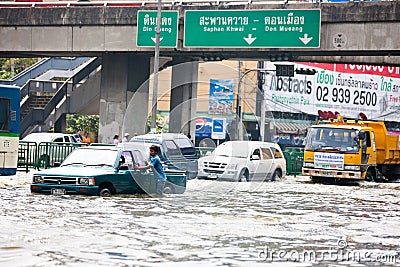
43, 155
27, 155
40, 86
54, 63
203, 151
85, 72
38, 115
165, 3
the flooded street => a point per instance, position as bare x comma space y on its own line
286, 223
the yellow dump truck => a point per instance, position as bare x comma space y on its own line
351, 150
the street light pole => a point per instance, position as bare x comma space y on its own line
153, 125
239, 107
262, 118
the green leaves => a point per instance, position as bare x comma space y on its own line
89, 123
161, 124
19, 65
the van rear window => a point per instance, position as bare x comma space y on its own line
171, 148
182, 142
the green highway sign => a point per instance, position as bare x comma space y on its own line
277, 28
146, 28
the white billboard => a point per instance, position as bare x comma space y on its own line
339, 88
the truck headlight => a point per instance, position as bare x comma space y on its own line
86, 181
38, 179
352, 167
308, 164
231, 166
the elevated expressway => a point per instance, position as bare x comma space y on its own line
356, 32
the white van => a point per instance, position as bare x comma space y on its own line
50, 137
48, 148
244, 161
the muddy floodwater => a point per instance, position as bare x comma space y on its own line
285, 223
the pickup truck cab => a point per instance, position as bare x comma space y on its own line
177, 152
244, 161
104, 171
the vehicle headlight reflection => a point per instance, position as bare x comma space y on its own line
231, 166
38, 179
352, 167
86, 181
308, 164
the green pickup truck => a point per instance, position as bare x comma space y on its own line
104, 171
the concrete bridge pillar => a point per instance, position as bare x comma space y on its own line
124, 95
183, 101
61, 124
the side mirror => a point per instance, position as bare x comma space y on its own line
254, 157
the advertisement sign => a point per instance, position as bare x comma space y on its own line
329, 161
203, 127
221, 96
350, 90
218, 129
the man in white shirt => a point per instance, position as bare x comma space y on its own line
126, 137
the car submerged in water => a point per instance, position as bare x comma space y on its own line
104, 171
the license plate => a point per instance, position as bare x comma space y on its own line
214, 176
58, 191
329, 174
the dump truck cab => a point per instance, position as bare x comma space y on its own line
351, 149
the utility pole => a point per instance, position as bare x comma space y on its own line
239, 133
263, 102
153, 125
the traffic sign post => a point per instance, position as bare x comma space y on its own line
146, 28
277, 28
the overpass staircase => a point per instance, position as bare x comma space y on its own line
46, 69
54, 87
34, 101
44, 102
42, 86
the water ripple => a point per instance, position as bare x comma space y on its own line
213, 224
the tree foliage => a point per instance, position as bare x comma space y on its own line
161, 124
86, 123
19, 65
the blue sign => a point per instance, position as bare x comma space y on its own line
204, 127
218, 129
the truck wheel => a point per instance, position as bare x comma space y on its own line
369, 177
168, 189
276, 176
243, 176
105, 192
315, 179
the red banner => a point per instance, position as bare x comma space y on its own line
388, 71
